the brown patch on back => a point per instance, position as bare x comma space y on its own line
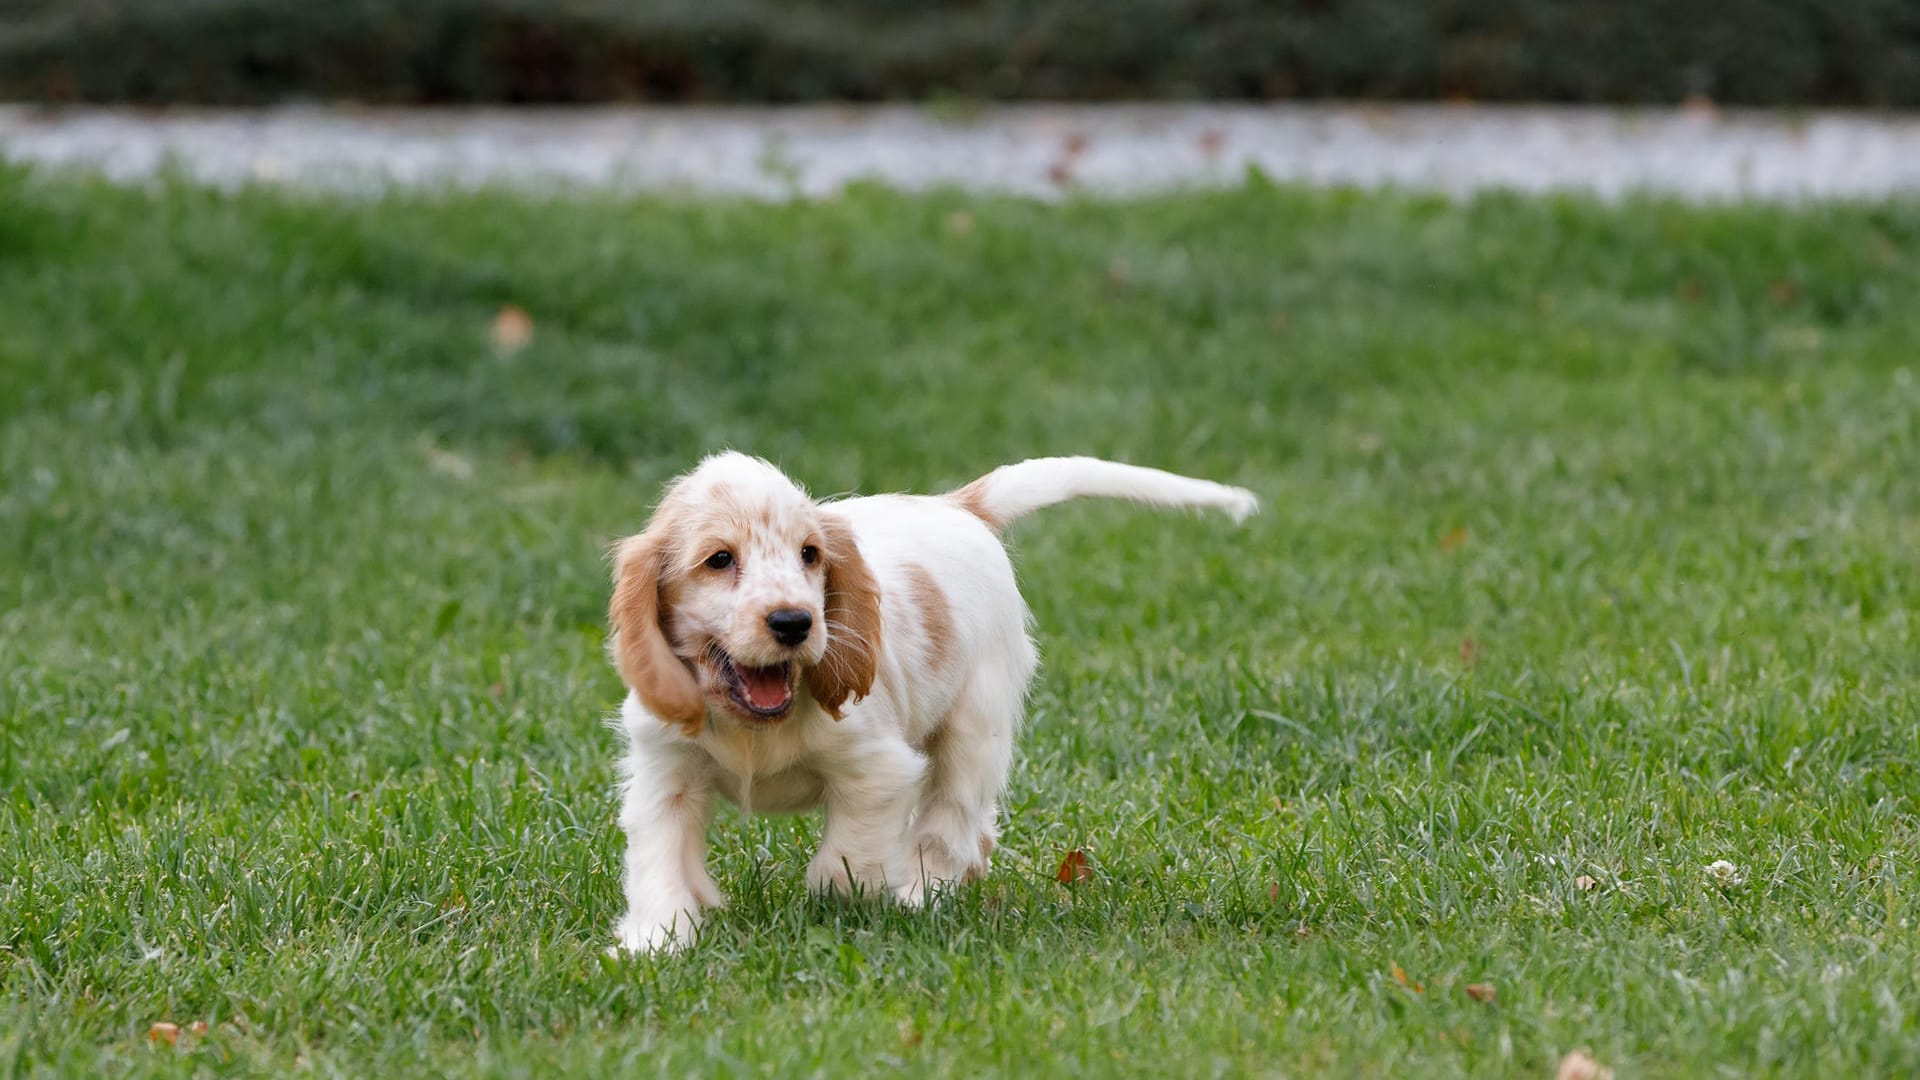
973, 499
936, 617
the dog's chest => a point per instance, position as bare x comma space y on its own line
765, 772
794, 790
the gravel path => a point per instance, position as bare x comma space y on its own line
1030, 150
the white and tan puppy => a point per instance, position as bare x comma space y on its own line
868, 655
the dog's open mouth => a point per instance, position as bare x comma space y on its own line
765, 692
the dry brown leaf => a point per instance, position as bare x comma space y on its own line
1400, 976
1273, 892
1579, 1065
512, 328
1584, 883
163, 1032
1074, 868
1454, 538
1469, 651
1480, 991
1699, 105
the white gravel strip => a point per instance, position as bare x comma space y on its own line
1040, 150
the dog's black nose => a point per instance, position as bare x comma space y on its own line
790, 625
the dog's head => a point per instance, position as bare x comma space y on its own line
740, 592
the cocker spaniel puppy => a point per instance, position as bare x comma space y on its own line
869, 655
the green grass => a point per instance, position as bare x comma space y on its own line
1589, 551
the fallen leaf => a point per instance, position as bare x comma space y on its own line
1454, 537
1699, 105
1074, 868
1584, 883
1480, 991
1400, 976
512, 328
1579, 1065
1273, 892
163, 1032
1469, 651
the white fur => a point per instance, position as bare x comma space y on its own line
911, 777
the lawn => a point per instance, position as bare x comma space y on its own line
1588, 561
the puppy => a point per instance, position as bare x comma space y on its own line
869, 656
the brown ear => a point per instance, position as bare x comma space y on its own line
639, 643
852, 659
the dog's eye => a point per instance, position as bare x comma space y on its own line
720, 560
809, 554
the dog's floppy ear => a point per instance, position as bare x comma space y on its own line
638, 644
852, 659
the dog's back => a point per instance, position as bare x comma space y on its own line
950, 608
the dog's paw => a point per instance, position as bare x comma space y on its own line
831, 873
641, 937
939, 872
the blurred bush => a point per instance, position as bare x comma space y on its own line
1771, 52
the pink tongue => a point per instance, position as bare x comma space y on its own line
766, 686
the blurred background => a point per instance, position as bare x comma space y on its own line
1758, 52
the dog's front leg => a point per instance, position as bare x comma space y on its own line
665, 805
868, 802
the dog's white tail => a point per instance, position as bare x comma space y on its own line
1011, 492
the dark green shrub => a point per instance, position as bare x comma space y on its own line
1770, 52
